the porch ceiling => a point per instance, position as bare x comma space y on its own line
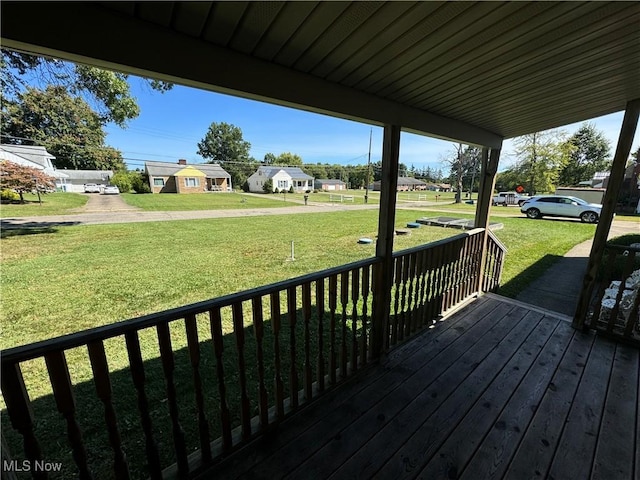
476, 72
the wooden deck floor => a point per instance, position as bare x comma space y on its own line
496, 391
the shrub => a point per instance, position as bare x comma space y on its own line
309, 191
139, 182
268, 186
9, 196
122, 180
277, 190
245, 186
291, 190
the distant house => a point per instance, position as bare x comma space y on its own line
330, 184
183, 178
405, 184
444, 187
33, 156
282, 178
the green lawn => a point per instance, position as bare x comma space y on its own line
58, 203
72, 278
203, 201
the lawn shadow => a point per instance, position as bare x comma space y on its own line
14, 227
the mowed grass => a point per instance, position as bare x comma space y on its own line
203, 201
79, 277
58, 203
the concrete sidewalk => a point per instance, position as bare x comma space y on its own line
559, 288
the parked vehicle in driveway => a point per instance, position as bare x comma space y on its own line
561, 206
111, 190
91, 188
509, 198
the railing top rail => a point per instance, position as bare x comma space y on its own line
437, 243
83, 337
497, 241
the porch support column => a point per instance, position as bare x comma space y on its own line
488, 171
383, 272
629, 124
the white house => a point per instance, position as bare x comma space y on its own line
282, 178
33, 156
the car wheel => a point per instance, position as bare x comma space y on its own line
589, 217
534, 213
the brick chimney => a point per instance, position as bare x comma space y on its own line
182, 161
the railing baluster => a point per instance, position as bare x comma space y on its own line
215, 320
238, 333
274, 300
20, 413
333, 305
66, 404
404, 323
292, 306
364, 346
258, 328
306, 314
168, 368
411, 304
320, 308
193, 344
102, 382
344, 300
396, 327
355, 293
138, 376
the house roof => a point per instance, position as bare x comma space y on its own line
476, 72
162, 169
329, 181
33, 153
294, 172
12, 157
88, 174
410, 181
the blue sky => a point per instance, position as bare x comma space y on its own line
171, 124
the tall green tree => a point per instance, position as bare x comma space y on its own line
223, 144
589, 152
464, 165
289, 159
540, 158
65, 125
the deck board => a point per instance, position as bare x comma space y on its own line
497, 390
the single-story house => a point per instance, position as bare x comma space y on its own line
33, 156
183, 178
76, 179
405, 184
444, 187
330, 184
282, 178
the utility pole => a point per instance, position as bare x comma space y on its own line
366, 187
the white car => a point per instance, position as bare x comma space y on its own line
111, 190
91, 188
561, 206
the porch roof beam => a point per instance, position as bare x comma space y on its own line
122, 43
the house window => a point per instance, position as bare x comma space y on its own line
282, 184
158, 182
191, 182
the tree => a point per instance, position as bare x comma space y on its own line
288, 159
24, 179
589, 153
541, 156
269, 159
463, 163
268, 186
223, 144
108, 93
65, 125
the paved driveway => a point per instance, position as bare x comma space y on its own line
104, 203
